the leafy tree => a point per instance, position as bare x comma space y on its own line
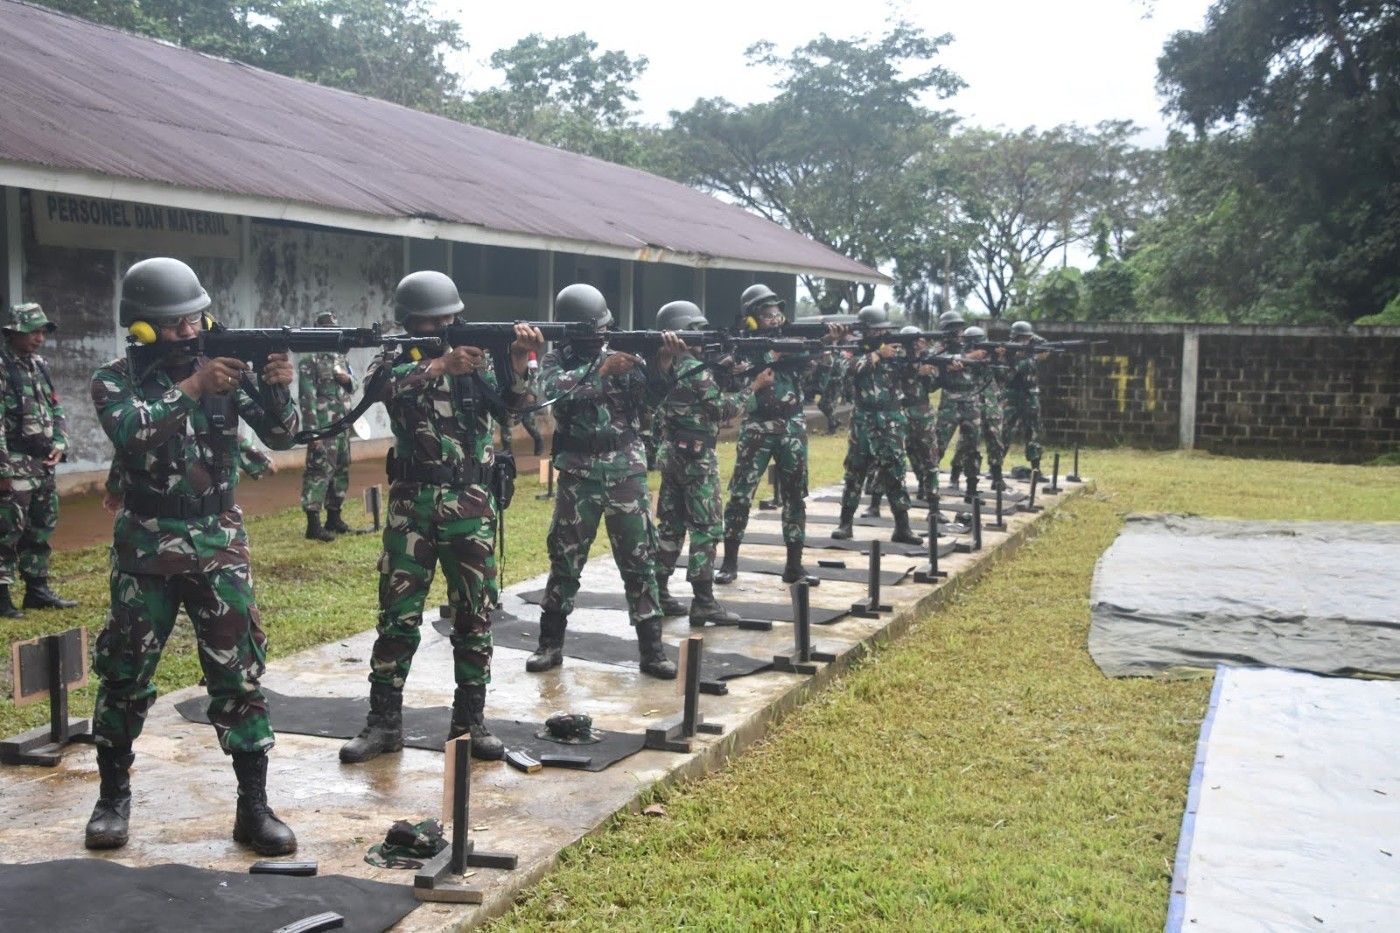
826, 156
1057, 295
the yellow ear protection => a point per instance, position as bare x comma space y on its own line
415, 354
142, 331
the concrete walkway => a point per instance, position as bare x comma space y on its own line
184, 788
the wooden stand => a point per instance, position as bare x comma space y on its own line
430, 883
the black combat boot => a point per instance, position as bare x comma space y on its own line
314, 531
550, 653
670, 606
7, 608
108, 826
793, 571
874, 510
997, 482
255, 825
842, 532
469, 715
729, 566
334, 523
954, 476
383, 731
903, 534
653, 654
705, 608
37, 595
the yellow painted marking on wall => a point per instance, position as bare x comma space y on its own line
1149, 387
1121, 375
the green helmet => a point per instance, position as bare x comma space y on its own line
910, 329
1022, 329
974, 335
757, 295
160, 290
426, 294
871, 316
681, 315
327, 319
950, 319
582, 304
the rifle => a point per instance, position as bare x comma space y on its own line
1064, 346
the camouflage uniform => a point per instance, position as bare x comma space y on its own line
878, 431
914, 390
825, 384
323, 400
773, 428
959, 409
251, 461
690, 415
602, 470
994, 381
33, 424
167, 452
1021, 407
451, 521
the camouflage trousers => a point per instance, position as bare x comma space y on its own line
789, 454
965, 417
27, 521
919, 444
327, 476
689, 500
876, 448
427, 526
624, 506
232, 651
1021, 419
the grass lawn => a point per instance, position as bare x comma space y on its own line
979, 774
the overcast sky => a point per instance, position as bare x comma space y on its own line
1026, 62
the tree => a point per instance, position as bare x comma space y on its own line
1056, 296
826, 156
562, 92
1293, 171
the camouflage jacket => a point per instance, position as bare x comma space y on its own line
961, 386
694, 403
33, 419
251, 460
597, 426
1025, 377
432, 429
914, 387
778, 408
323, 399
877, 389
165, 445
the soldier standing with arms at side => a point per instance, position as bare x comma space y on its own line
1021, 411
32, 442
774, 428
878, 431
690, 416
598, 398
178, 540
442, 510
325, 383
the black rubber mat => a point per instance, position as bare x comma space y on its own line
887, 548
511, 631
768, 612
344, 717
97, 894
857, 570
945, 504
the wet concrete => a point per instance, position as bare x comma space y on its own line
184, 788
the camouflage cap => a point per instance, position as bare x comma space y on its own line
407, 845
27, 318
570, 729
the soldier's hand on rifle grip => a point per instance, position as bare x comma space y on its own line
763, 380
618, 363
527, 340
278, 371
836, 332
459, 361
886, 351
926, 369
671, 347
216, 377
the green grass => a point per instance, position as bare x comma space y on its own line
979, 774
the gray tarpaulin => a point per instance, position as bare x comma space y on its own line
1177, 594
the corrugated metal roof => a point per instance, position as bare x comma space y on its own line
82, 98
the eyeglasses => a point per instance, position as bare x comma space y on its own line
189, 320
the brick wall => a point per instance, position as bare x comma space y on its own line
1301, 392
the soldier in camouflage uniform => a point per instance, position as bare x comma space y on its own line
442, 510
825, 386
964, 386
917, 380
252, 462
690, 415
774, 428
1021, 403
32, 442
598, 454
325, 383
994, 386
178, 540
951, 324
878, 431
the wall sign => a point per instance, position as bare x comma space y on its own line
97, 223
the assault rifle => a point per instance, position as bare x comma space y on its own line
1044, 346
254, 345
